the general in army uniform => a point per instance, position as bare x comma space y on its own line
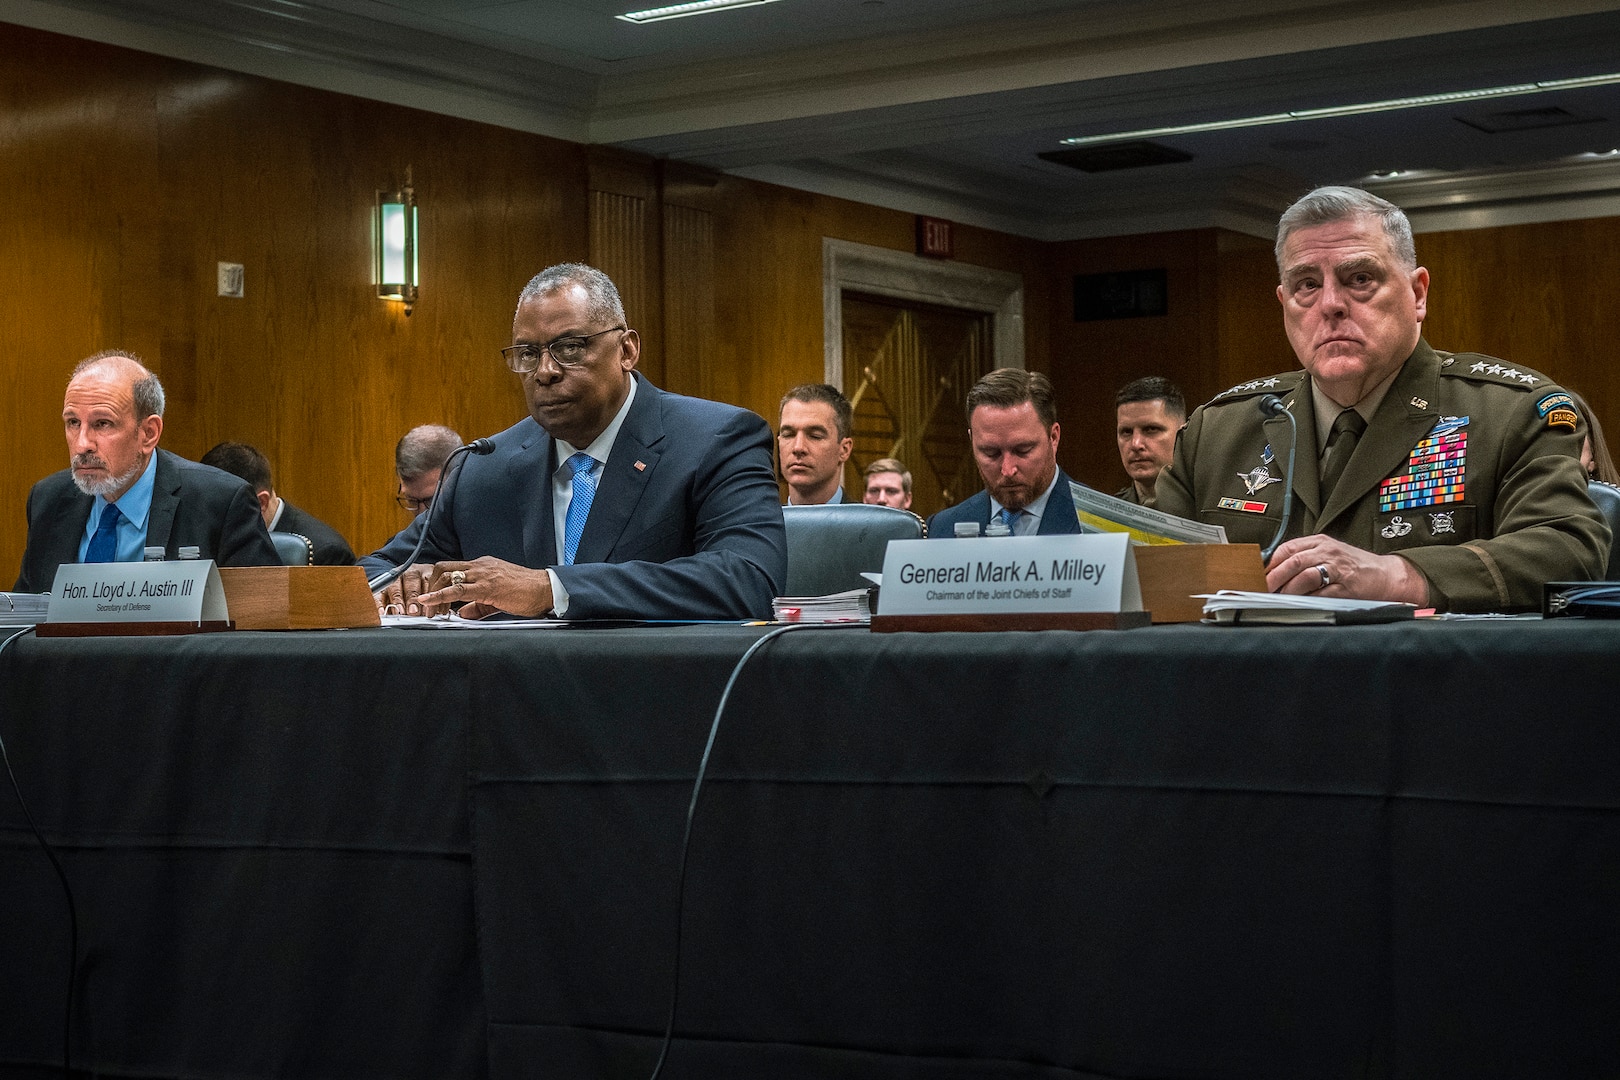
1444, 480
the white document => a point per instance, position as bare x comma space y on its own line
456, 622
1099, 513
1238, 606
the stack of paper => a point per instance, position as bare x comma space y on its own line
1264, 608
851, 606
23, 609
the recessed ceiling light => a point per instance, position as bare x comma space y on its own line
1389, 105
681, 11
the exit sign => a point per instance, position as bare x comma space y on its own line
933, 237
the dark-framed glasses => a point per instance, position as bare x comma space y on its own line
566, 352
415, 506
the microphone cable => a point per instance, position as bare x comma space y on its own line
691, 810
478, 447
67, 890
1270, 406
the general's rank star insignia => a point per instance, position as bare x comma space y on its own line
1257, 478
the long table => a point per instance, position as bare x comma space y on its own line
1170, 852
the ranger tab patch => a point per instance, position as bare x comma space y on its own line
1559, 411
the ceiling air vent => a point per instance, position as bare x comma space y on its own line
1126, 155
1550, 116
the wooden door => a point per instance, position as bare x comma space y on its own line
907, 370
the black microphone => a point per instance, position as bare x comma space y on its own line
1272, 405
479, 447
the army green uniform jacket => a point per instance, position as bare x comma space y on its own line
1469, 470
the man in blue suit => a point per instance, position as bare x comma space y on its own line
1012, 424
613, 500
121, 495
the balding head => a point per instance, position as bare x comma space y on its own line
112, 415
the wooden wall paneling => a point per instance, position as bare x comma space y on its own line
129, 186
1252, 341
688, 280
75, 161
626, 238
768, 282
1092, 360
1537, 295
311, 366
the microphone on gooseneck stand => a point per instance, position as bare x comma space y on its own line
388, 577
1272, 405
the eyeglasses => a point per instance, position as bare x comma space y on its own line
566, 352
415, 506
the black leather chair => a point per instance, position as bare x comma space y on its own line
294, 548
1607, 497
829, 546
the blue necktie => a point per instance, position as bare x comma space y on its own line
1008, 517
104, 544
579, 504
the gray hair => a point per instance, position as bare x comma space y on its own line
148, 392
423, 449
601, 294
1327, 205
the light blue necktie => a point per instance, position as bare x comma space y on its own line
579, 504
1008, 517
104, 544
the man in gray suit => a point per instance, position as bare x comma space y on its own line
122, 495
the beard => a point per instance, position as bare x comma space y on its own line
105, 486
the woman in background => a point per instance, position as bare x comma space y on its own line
1594, 451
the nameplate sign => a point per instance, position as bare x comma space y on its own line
1010, 575
186, 591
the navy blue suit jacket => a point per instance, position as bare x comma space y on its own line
1058, 519
686, 522
192, 506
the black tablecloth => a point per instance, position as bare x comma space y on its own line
1170, 852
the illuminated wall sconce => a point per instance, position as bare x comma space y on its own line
395, 239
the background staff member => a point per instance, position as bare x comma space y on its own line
1013, 428
888, 483
1148, 415
814, 438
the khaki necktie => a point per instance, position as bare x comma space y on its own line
1341, 445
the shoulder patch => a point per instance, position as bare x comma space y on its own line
1488, 369
1271, 384
1552, 401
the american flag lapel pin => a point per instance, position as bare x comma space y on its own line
641, 466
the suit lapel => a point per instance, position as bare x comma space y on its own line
165, 503
1059, 517
66, 530
630, 467
530, 469
1394, 429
